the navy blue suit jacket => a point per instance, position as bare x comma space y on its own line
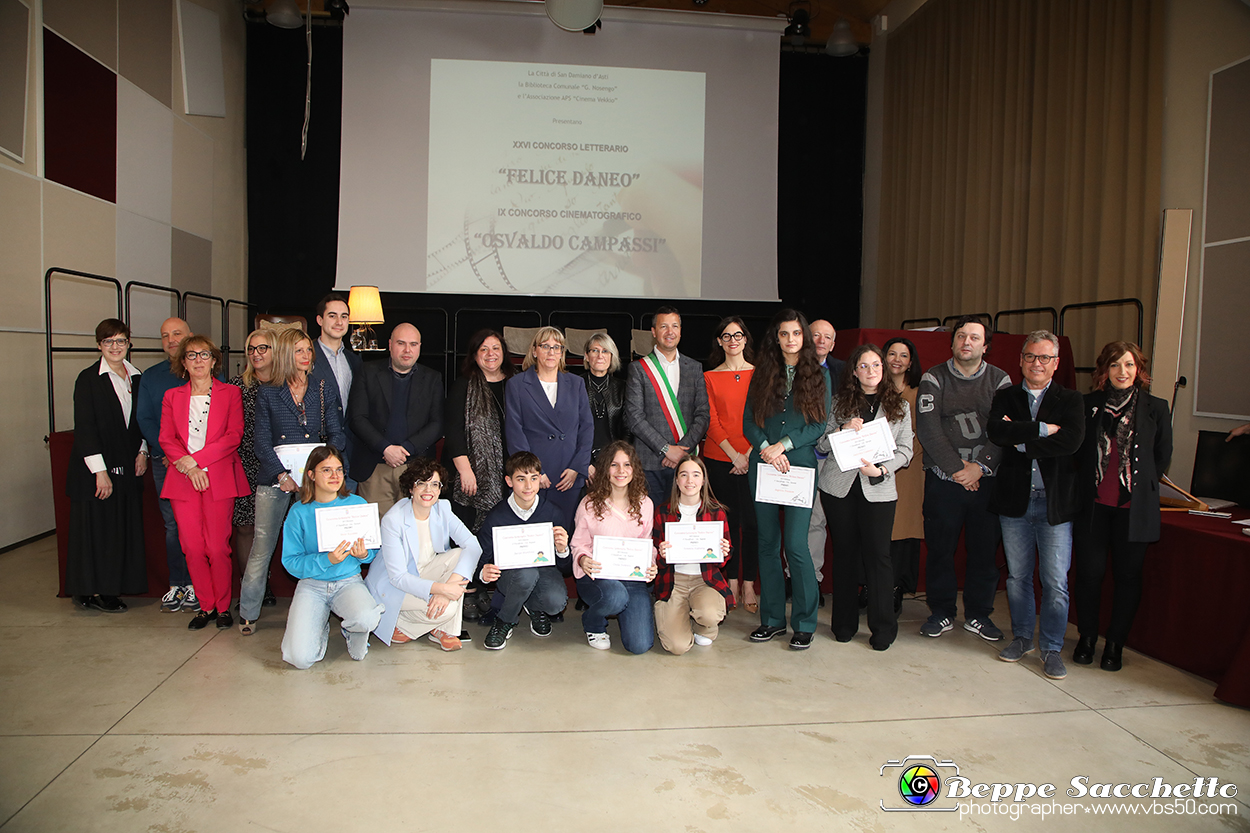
561, 436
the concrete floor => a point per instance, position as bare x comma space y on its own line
130, 722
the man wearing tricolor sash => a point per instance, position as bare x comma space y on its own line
665, 404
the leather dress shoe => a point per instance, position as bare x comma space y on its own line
1083, 653
801, 641
106, 604
1111, 658
200, 620
225, 621
766, 632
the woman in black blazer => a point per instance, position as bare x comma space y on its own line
1128, 445
105, 480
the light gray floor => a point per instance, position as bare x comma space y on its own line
130, 722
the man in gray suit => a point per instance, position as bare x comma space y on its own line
665, 405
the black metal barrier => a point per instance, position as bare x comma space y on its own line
1054, 316
47, 317
1141, 318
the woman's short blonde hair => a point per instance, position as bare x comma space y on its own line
541, 336
605, 341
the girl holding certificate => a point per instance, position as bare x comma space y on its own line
690, 599
860, 503
329, 582
615, 505
783, 419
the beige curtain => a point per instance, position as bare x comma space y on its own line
1022, 157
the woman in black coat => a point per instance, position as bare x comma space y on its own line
104, 483
1128, 445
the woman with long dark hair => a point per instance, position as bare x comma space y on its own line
1127, 447
474, 426
903, 369
727, 453
787, 405
860, 503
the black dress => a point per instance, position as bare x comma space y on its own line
245, 505
105, 549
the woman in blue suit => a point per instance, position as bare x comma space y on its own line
422, 578
548, 414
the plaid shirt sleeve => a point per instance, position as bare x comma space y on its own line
712, 575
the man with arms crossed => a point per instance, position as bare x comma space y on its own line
953, 407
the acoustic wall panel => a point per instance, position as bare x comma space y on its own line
145, 46
91, 25
203, 74
80, 119
192, 270
14, 61
79, 233
193, 180
145, 153
19, 218
143, 254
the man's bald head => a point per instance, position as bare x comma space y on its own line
823, 338
405, 347
173, 331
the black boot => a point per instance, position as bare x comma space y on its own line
269, 599
898, 601
1083, 654
1111, 656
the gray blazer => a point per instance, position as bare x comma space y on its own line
644, 415
838, 483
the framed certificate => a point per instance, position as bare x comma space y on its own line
336, 524
524, 545
873, 443
693, 543
294, 457
625, 559
796, 487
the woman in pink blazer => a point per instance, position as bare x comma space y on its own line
201, 427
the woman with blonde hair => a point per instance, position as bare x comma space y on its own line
547, 412
606, 392
257, 372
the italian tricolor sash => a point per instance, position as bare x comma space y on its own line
667, 396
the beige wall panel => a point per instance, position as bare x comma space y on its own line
192, 180
91, 25
144, 48
20, 271
143, 247
15, 26
192, 269
79, 233
65, 369
145, 154
26, 490
29, 162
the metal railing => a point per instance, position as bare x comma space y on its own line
1134, 302
1054, 316
47, 317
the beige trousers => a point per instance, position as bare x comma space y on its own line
382, 487
413, 621
692, 608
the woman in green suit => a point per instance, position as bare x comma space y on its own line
783, 420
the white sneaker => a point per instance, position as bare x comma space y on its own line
190, 602
700, 639
599, 640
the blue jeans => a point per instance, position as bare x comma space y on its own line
629, 601
1032, 540
537, 588
271, 506
178, 574
308, 622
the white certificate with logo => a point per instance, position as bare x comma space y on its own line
874, 443
336, 524
294, 457
524, 545
693, 543
796, 487
625, 559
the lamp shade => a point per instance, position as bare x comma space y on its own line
284, 14
574, 15
365, 305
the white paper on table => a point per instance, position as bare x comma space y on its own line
1243, 522
294, 457
336, 524
624, 559
524, 545
796, 487
693, 543
874, 443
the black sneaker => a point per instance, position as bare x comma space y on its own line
269, 599
497, 639
540, 623
766, 632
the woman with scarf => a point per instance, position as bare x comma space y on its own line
1128, 445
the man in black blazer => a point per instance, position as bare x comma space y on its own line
1040, 426
396, 412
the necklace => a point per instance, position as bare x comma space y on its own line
598, 395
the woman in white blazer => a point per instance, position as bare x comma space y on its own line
421, 579
859, 503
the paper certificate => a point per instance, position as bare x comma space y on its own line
336, 524
873, 443
293, 458
524, 545
693, 543
796, 487
625, 559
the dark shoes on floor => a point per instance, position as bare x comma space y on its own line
801, 641
269, 599
104, 604
225, 621
1111, 656
1083, 653
200, 620
764, 633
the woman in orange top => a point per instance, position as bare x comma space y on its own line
726, 452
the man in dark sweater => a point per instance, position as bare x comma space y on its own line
1040, 426
538, 589
952, 412
396, 412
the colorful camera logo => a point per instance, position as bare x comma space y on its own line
918, 781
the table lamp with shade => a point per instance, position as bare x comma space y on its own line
365, 305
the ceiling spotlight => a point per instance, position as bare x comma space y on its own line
285, 14
842, 43
800, 26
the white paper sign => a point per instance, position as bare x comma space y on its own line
524, 545
336, 524
693, 543
796, 487
874, 443
624, 559
294, 457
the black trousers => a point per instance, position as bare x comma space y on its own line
863, 539
1107, 532
948, 509
734, 492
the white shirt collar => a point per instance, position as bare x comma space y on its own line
523, 514
660, 356
131, 370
